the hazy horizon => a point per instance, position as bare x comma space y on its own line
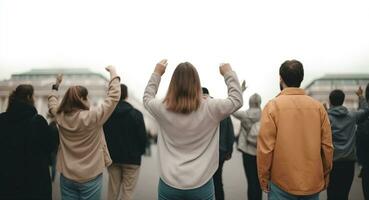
255, 37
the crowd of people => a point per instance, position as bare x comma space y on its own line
293, 148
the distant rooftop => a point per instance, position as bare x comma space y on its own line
54, 71
345, 77
340, 77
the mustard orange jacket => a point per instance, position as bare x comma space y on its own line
294, 148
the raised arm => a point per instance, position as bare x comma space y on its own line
102, 113
221, 108
151, 89
363, 111
53, 99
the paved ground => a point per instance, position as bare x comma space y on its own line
234, 181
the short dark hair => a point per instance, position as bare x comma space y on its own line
123, 91
367, 92
292, 73
205, 90
336, 97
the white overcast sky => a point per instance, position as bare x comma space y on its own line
327, 36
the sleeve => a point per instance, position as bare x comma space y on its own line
238, 114
326, 145
363, 112
150, 103
265, 145
102, 113
221, 108
53, 102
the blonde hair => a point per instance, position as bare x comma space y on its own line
184, 92
73, 100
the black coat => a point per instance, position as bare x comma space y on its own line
362, 142
25, 146
125, 134
226, 137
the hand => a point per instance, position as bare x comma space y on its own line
224, 68
359, 92
110, 68
59, 79
161, 66
243, 86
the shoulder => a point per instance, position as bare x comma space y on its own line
136, 114
39, 119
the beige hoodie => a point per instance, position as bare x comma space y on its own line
82, 153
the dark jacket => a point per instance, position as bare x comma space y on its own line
25, 146
362, 142
125, 134
343, 125
226, 138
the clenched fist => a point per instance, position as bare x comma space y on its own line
161, 66
224, 68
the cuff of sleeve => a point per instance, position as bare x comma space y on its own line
228, 74
156, 74
53, 93
113, 78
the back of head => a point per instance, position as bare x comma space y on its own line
184, 92
23, 93
124, 92
367, 92
336, 98
255, 101
75, 98
292, 73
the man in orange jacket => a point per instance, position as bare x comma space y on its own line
294, 148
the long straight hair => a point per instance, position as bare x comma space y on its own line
184, 92
23, 93
74, 99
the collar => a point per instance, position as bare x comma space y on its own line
292, 91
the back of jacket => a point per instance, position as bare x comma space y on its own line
362, 142
125, 134
25, 146
295, 144
343, 125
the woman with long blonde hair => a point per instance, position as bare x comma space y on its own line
188, 140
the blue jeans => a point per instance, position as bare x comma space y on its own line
276, 193
90, 190
205, 192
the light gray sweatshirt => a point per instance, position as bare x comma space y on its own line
188, 144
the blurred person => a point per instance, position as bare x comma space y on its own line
343, 125
83, 153
247, 142
55, 132
188, 140
294, 147
125, 134
362, 143
26, 143
226, 140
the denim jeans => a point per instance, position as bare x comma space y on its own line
90, 190
205, 192
276, 193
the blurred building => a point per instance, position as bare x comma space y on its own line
320, 88
42, 80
